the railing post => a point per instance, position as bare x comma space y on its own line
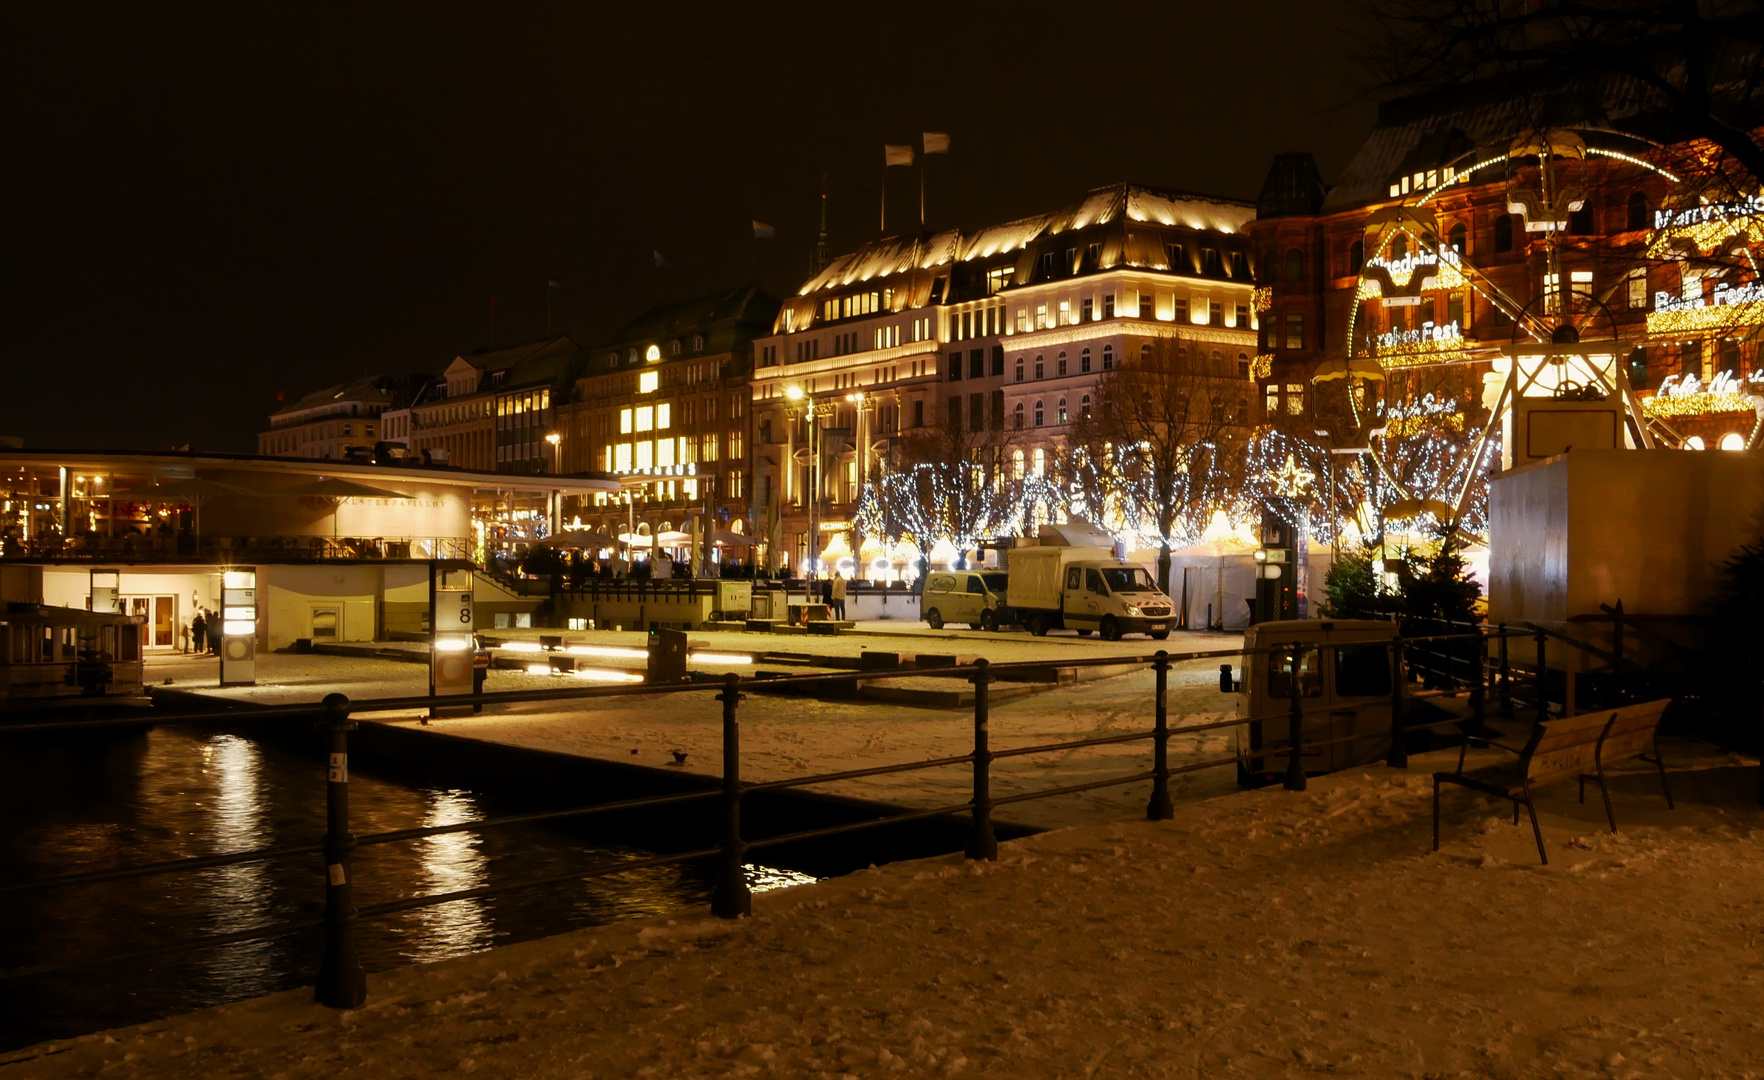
1543, 675
1506, 676
730, 898
342, 984
1159, 808
1478, 691
1295, 765
1398, 758
982, 844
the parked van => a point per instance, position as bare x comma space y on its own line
1086, 589
1344, 681
975, 597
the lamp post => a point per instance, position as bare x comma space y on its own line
556, 442
796, 393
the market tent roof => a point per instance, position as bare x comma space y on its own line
720, 537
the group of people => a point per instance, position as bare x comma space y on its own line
204, 632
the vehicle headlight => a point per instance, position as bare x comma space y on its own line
1131, 609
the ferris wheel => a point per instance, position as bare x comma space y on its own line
1422, 402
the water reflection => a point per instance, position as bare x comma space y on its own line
238, 895
449, 863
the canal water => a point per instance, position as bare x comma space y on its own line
74, 804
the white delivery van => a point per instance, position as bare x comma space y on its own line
975, 597
1344, 681
1085, 589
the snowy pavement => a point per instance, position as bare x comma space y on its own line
1266, 934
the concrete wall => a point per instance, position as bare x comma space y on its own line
21, 584
431, 511
288, 595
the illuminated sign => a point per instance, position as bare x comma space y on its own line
1427, 336
1697, 215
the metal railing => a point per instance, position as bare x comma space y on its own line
341, 981
184, 547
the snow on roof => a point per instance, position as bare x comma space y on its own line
1114, 204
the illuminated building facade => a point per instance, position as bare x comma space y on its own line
1502, 257
663, 406
338, 420
998, 335
454, 417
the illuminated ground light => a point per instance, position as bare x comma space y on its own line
717, 658
766, 878
605, 675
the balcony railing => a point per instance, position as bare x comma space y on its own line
223, 549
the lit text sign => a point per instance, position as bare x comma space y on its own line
1426, 336
1698, 215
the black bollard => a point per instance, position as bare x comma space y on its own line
730, 898
982, 844
1159, 808
342, 984
1295, 765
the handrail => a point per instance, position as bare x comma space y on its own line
341, 983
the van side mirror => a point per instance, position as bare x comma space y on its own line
1226, 684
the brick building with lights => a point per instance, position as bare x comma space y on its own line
1443, 241
663, 406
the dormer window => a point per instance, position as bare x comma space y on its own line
674, 347
697, 342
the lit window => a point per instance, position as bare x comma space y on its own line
1084, 406
652, 354
622, 458
663, 416
645, 455
1295, 399
648, 382
1017, 458
664, 452
1060, 412
1040, 461
645, 418
624, 421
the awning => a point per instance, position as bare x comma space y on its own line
1360, 367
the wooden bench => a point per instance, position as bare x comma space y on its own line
1559, 749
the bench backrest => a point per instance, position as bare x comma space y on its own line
1564, 747
1632, 731
1568, 746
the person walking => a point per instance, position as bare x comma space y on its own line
214, 633
198, 632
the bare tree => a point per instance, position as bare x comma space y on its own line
1697, 63
1163, 443
944, 480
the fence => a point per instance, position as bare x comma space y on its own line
342, 982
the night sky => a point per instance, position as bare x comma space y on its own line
208, 205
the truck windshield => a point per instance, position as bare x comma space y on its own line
996, 582
1128, 579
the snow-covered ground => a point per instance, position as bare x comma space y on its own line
785, 737
1266, 934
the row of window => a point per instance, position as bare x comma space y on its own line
666, 453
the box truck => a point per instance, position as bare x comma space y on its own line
1085, 589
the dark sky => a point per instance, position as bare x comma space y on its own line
208, 205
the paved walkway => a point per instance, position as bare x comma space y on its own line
1266, 934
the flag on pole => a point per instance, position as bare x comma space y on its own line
936, 142
897, 155
762, 231
661, 262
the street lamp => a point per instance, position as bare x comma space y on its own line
556, 442
796, 393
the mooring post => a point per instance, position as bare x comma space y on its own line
1398, 758
1159, 808
730, 898
1295, 765
982, 844
1543, 675
1506, 676
342, 984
